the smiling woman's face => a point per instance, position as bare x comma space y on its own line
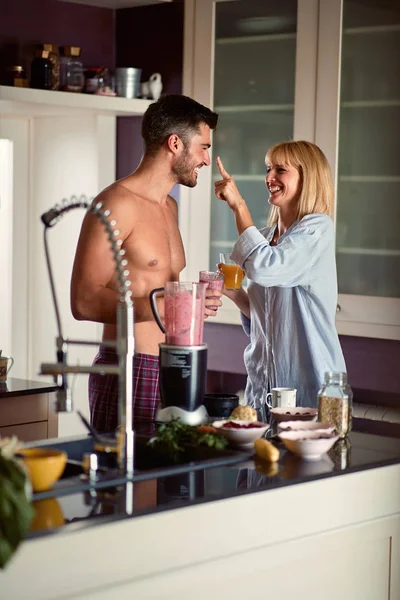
283, 183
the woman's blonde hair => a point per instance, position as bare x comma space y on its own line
317, 195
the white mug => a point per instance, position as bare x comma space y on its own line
281, 397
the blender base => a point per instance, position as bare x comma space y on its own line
196, 417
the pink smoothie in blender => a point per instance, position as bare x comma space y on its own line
184, 313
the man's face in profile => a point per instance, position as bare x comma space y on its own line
194, 155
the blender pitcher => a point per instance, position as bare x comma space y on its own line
183, 312
183, 357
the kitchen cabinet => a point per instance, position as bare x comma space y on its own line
27, 410
315, 70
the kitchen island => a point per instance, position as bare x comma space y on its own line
317, 530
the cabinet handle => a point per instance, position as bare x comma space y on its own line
338, 308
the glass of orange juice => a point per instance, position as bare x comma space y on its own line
233, 274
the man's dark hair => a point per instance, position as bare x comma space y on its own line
174, 114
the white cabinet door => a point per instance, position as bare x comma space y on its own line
357, 125
255, 63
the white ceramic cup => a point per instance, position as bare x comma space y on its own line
281, 397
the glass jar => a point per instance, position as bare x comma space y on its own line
16, 76
93, 79
54, 57
41, 71
335, 403
71, 69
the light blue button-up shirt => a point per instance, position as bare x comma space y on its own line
292, 289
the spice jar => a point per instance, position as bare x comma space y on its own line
335, 403
16, 76
41, 71
54, 58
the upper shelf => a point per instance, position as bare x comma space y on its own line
40, 103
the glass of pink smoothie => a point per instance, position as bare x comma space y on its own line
184, 313
214, 281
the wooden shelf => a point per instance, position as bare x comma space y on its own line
29, 102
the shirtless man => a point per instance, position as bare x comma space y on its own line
177, 136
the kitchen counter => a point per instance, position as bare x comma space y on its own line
27, 409
234, 523
24, 387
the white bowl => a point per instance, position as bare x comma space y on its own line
241, 438
310, 445
297, 413
305, 426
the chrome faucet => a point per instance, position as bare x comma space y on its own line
125, 343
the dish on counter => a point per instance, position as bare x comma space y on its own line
244, 434
305, 426
297, 413
310, 445
44, 466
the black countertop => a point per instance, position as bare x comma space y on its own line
367, 447
24, 387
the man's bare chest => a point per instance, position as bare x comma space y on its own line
155, 243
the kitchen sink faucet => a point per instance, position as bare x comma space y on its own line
125, 343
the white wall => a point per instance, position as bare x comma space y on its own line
6, 206
64, 163
54, 158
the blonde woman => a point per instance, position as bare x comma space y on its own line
289, 308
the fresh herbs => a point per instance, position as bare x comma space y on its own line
172, 438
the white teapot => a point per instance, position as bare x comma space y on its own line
152, 88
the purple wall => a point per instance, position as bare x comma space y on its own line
150, 38
24, 23
372, 364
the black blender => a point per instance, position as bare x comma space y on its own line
183, 356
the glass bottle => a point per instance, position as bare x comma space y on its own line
41, 71
54, 58
335, 402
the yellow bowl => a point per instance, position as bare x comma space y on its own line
44, 466
48, 515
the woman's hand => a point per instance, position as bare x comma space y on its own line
226, 188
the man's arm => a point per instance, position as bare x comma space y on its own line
92, 296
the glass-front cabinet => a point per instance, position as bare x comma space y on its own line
255, 46
323, 71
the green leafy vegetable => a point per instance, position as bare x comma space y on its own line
172, 438
16, 511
